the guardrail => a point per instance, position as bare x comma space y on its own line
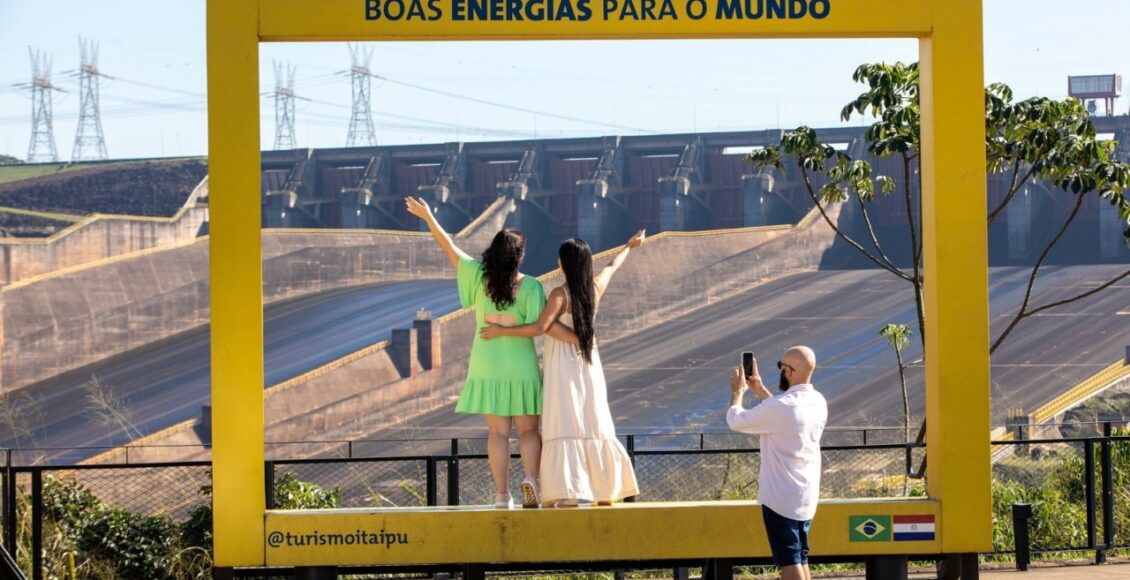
1074, 395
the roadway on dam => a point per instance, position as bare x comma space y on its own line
674, 377
669, 378
167, 382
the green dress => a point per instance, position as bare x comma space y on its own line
503, 377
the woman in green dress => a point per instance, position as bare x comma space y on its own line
503, 379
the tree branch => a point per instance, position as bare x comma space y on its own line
1012, 188
871, 230
1011, 191
1096, 290
1023, 312
841, 234
915, 252
912, 227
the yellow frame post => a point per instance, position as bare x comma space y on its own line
953, 206
956, 265
236, 268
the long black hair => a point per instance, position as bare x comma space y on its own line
500, 266
576, 263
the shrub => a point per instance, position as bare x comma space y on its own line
84, 537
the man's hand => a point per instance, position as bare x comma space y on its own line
758, 387
737, 387
738, 382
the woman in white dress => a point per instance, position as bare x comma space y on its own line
582, 460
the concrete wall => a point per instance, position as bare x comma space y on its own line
98, 238
352, 396
67, 319
671, 275
345, 399
677, 273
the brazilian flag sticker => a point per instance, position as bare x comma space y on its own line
869, 528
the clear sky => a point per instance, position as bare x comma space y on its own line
155, 105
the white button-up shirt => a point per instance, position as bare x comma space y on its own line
790, 426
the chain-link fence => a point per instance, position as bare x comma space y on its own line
354, 483
1078, 490
151, 521
86, 521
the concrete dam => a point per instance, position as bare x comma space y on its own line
334, 221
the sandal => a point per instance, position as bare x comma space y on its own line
529, 493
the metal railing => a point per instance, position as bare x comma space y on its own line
1088, 474
1094, 473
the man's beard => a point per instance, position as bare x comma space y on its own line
783, 385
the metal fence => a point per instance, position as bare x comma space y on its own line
1079, 489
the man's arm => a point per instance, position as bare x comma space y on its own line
757, 420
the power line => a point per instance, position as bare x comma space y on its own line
502, 105
361, 132
361, 118
160, 87
284, 106
42, 146
423, 125
90, 142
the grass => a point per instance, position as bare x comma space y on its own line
19, 172
59, 217
9, 173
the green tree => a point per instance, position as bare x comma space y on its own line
9, 160
1034, 139
898, 336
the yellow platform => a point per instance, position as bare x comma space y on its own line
631, 531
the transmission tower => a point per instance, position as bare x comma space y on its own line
284, 106
361, 131
42, 147
90, 143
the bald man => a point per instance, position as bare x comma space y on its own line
790, 425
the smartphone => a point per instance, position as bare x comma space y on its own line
747, 362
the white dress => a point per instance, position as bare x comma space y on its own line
581, 457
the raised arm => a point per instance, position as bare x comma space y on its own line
764, 418
554, 306
419, 208
605, 275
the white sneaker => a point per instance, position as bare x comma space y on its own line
503, 501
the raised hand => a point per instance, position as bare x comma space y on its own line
738, 383
418, 207
637, 240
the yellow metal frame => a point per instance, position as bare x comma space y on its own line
954, 238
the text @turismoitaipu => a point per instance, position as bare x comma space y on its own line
357, 538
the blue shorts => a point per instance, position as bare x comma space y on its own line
788, 539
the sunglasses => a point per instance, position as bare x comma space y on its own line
781, 364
